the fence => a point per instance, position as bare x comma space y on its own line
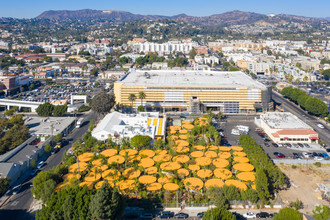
303, 162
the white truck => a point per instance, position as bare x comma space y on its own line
79, 122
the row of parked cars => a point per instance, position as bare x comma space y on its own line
48, 93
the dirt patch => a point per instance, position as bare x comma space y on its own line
303, 184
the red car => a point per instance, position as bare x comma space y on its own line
279, 155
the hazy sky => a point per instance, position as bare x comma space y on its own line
32, 8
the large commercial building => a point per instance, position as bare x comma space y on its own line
284, 127
120, 125
194, 91
163, 48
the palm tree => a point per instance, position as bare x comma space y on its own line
132, 98
142, 96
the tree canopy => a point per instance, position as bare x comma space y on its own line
140, 141
218, 214
313, 105
288, 213
102, 103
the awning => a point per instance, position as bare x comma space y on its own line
286, 138
314, 138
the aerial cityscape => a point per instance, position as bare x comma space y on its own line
165, 110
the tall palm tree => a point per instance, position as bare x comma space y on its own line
142, 96
132, 98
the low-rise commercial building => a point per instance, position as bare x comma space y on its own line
284, 127
120, 125
48, 126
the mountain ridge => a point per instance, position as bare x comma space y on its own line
235, 17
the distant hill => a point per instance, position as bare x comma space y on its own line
227, 18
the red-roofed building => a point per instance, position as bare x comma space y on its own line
284, 127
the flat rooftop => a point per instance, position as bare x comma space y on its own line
283, 120
41, 126
185, 78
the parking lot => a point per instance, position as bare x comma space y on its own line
269, 148
49, 93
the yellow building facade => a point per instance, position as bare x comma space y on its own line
229, 92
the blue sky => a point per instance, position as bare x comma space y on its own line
32, 8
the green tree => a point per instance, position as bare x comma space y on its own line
106, 203
297, 205
58, 138
48, 59
321, 212
218, 214
140, 108
140, 141
132, 98
142, 96
192, 53
233, 68
48, 148
91, 125
45, 109
102, 103
4, 185
60, 110
33, 164
288, 213
45, 182
326, 73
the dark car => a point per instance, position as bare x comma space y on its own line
182, 215
200, 214
315, 154
279, 155
166, 214
263, 215
266, 144
295, 156
275, 145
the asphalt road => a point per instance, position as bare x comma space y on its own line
18, 205
324, 133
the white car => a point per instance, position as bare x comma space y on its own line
41, 164
279, 145
249, 215
305, 154
318, 158
320, 126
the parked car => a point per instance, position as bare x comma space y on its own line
315, 154
279, 145
249, 215
318, 158
266, 144
263, 215
279, 155
166, 214
34, 172
320, 126
40, 164
17, 189
295, 156
326, 156
274, 144
305, 154
181, 215
147, 216
200, 214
